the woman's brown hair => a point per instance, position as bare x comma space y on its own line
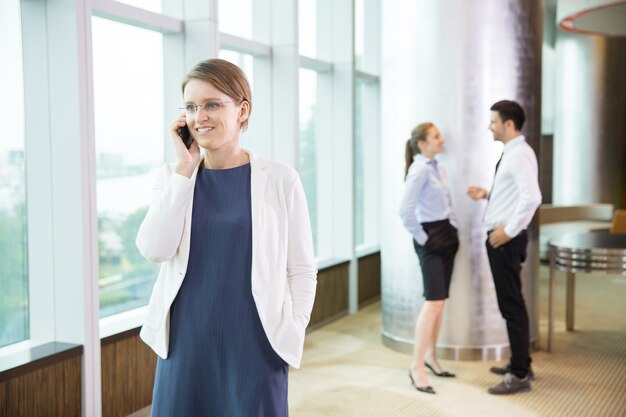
418, 134
226, 77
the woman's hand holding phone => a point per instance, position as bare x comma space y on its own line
188, 153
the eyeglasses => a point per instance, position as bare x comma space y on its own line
209, 106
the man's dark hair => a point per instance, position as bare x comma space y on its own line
510, 110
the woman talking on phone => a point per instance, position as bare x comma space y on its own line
428, 216
231, 229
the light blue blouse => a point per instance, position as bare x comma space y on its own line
426, 197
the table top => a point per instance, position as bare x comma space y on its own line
590, 240
589, 252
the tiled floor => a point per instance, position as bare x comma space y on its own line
348, 372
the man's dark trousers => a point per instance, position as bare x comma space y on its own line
506, 265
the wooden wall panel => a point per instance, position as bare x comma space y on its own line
331, 299
369, 278
128, 367
53, 390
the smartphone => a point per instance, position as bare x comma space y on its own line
185, 135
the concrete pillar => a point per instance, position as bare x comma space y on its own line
589, 123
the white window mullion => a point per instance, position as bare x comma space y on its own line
201, 31
38, 173
92, 382
244, 46
285, 67
76, 292
366, 76
124, 13
343, 140
316, 65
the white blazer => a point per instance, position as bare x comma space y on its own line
284, 275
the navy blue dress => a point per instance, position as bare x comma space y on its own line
220, 361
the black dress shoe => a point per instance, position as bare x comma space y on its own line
511, 385
444, 374
507, 369
427, 389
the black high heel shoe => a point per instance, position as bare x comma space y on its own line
444, 374
427, 389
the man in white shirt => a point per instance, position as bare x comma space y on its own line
513, 200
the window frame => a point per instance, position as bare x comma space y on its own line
367, 72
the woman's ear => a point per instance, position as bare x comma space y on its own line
419, 144
244, 111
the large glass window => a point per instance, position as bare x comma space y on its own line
366, 141
307, 28
359, 167
235, 17
128, 107
359, 32
308, 164
366, 35
14, 317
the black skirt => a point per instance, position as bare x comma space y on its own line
436, 258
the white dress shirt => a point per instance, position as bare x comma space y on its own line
426, 197
515, 194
